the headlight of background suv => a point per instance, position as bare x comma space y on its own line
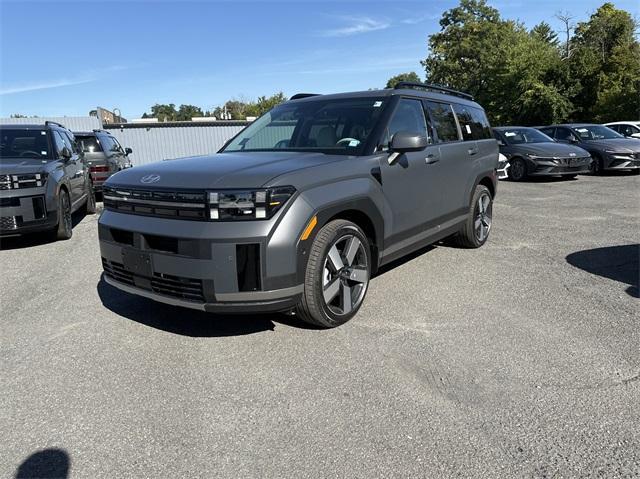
247, 204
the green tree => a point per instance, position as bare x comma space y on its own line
606, 57
409, 77
544, 32
264, 104
186, 112
163, 112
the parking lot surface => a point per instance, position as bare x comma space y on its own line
520, 359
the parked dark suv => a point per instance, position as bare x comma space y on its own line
298, 210
43, 180
609, 149
532, 153
104, 155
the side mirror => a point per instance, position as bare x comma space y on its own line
405, 141
65, 153
128, 151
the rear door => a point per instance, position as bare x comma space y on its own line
455, 159
73, 168
412, 185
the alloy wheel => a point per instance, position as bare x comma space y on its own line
66, 213
345, 275
482, 220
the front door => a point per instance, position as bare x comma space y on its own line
411, 185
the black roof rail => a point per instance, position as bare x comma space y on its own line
49, 122
432, 87
297, 96
100, 130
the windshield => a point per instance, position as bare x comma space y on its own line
596, 132
517, 136
339, 127
89, 143
17, 143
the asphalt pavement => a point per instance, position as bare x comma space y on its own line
520, 359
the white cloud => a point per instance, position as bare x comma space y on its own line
419, 19
356, 26
57, 83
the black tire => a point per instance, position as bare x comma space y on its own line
517, 169
64, 230
596, 166
90, 205
321, 276
469, 237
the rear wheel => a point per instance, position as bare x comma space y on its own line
479, 220
90, 207
337, 275
64, 230
517, 170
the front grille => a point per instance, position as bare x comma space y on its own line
116, 271
189, 289
177, 287
182, 205
5, 182
8, 223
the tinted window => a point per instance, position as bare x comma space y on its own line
564, 134
89, 144
106, 142
336, 126
466, 122
481, 128
117, 145
15, 143
517, 136
72, 140
596, 132
59, 142
409, 117
443, 121
547, 131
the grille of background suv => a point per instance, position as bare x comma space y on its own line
183, 205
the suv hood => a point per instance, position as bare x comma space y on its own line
549, 150
223, 170
20, 166
621, 145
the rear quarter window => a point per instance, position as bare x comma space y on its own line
89, 144
443, 121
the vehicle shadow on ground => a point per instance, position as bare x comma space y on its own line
188, 322
405, 259
619, 263
46, 464
36, 239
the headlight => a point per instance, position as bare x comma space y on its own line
28, 180
247, 204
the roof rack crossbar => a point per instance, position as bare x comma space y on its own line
49, 122
297, 96
432, 87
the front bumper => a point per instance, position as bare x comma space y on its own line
616, 162
558, 166
235, 267
25, 211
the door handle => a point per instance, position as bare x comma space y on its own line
431, 159
472, 151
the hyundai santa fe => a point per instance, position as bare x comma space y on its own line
300, 209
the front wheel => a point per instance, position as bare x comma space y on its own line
337, 275
64, 230
90, 206
596, 166
517, 170
479, 220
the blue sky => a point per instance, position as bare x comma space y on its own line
62, 58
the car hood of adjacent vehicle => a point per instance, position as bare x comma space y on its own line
621, 145
21, 166
549, 150
223, 170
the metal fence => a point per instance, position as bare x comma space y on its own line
160, 141
74, 123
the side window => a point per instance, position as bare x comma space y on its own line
481, 126
548, 131
408, 116
443, 120
466, 122
116, 146
72, 141
564, 134
498, 137
106, 142
59, 142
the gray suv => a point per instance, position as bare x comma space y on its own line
43, 179
104, 154
300, 209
